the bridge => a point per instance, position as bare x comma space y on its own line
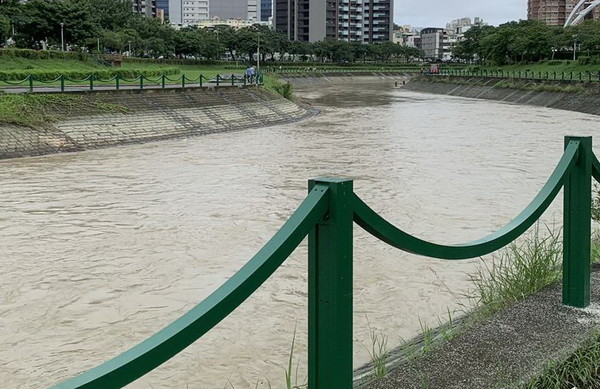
579, 12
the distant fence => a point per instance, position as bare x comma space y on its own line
65, 84
588, 76
317, 70
327, 215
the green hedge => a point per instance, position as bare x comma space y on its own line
49, 75
44, 54
175, 61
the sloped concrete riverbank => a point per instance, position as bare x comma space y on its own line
533, 93
504, 350
151, 115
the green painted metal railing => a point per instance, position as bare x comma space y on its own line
317, 70
62, 83
327, 216
588, 76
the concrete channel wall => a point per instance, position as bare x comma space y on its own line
151, 115
479, 88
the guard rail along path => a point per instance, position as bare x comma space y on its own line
63, 83
326, 216
522, 75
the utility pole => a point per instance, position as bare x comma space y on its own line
258, 54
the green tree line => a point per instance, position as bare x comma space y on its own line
528, 41
111, 25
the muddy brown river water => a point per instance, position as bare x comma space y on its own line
101, 249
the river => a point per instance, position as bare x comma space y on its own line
100, 249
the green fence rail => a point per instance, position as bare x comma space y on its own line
318, 70
327, 216
588, 76
66, 84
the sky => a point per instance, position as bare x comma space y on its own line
436, 13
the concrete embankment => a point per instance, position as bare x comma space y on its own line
504, 350
580, 97
150, 115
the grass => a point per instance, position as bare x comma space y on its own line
40, 109
273, 83
519, 271
378, 351
580, 370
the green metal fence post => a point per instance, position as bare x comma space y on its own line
162, 81
62, 82
218, 77
30, 83
577, 227
183, 81
232, 79
330, 291
92, 82
201, 76
117, 77
141, 81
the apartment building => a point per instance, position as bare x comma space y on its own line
235, 9
192, 12
365, 21
145, 7
555, 12
188, 12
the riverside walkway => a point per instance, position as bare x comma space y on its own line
504, 350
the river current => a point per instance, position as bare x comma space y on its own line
101, 249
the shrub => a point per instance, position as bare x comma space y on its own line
44, 54
73, 75
284, 89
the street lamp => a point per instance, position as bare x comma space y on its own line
62, 37
574, 46
258, 54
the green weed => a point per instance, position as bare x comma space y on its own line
580, 370
518, 271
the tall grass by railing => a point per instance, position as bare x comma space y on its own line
62, 83
327, 216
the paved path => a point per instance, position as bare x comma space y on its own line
509, 347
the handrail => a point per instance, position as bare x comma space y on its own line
138, 80
377, 226
326, 216
157, 349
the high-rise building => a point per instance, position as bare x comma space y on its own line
366, 21
145, 7
188, 12
164, 6
235, 9
266, 10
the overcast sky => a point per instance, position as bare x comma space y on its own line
436, 13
